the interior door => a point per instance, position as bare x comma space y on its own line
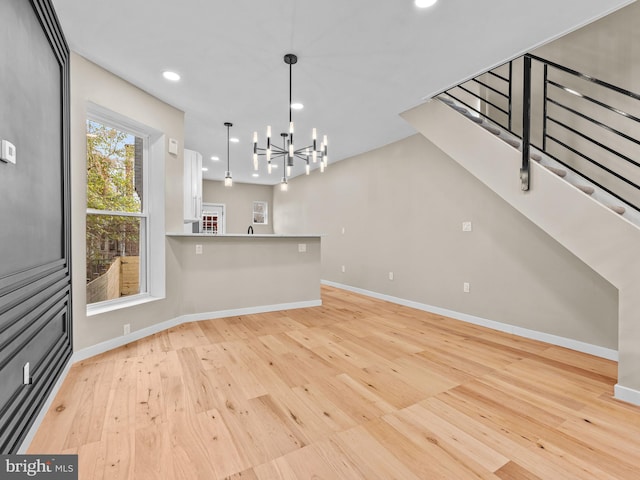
213, 218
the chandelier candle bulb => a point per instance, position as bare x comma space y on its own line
307, 168
313, 135
269, 168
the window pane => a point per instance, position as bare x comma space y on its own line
114, 169
113, 256
260, 213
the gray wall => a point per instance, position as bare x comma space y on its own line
91, 83
402, 207
35, 312
608, 49
238, 201
30, 214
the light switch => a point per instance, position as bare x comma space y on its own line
466, 226
173, 146
198, 249
26, 374
302, 247
8, 152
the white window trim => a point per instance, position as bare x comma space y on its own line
154, 207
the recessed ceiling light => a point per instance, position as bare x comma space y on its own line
425, 3
205, 169
234, 140
255, 175
297, 106
172, 76
215, 159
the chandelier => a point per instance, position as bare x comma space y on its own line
288, 152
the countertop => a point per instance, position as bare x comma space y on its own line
241, 235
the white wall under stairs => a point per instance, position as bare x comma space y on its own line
601, 238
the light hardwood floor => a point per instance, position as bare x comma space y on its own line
355, 389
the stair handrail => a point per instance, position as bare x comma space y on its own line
582, 146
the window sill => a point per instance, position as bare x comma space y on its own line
112, 305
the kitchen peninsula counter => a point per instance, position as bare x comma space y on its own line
230, 274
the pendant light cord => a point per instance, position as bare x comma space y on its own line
290, 91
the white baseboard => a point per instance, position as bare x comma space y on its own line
194, 317
145, 332
576, 345
627, 394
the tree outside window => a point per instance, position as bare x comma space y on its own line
116, 221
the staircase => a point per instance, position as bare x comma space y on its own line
574, 178
571, 198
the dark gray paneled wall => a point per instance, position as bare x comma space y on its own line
35, 313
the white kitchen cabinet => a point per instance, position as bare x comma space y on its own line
192, 186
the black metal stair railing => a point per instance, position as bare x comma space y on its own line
589, 126
489, 95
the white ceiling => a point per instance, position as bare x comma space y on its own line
360, 62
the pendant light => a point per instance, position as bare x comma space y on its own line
228, 180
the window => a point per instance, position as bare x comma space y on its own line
125, 211
260, 213
117, 218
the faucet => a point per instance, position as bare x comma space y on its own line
250, 230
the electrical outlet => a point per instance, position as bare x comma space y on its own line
7, 152
466, 287
344, 269
390, 275
302, 247
127, 329
198, 249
